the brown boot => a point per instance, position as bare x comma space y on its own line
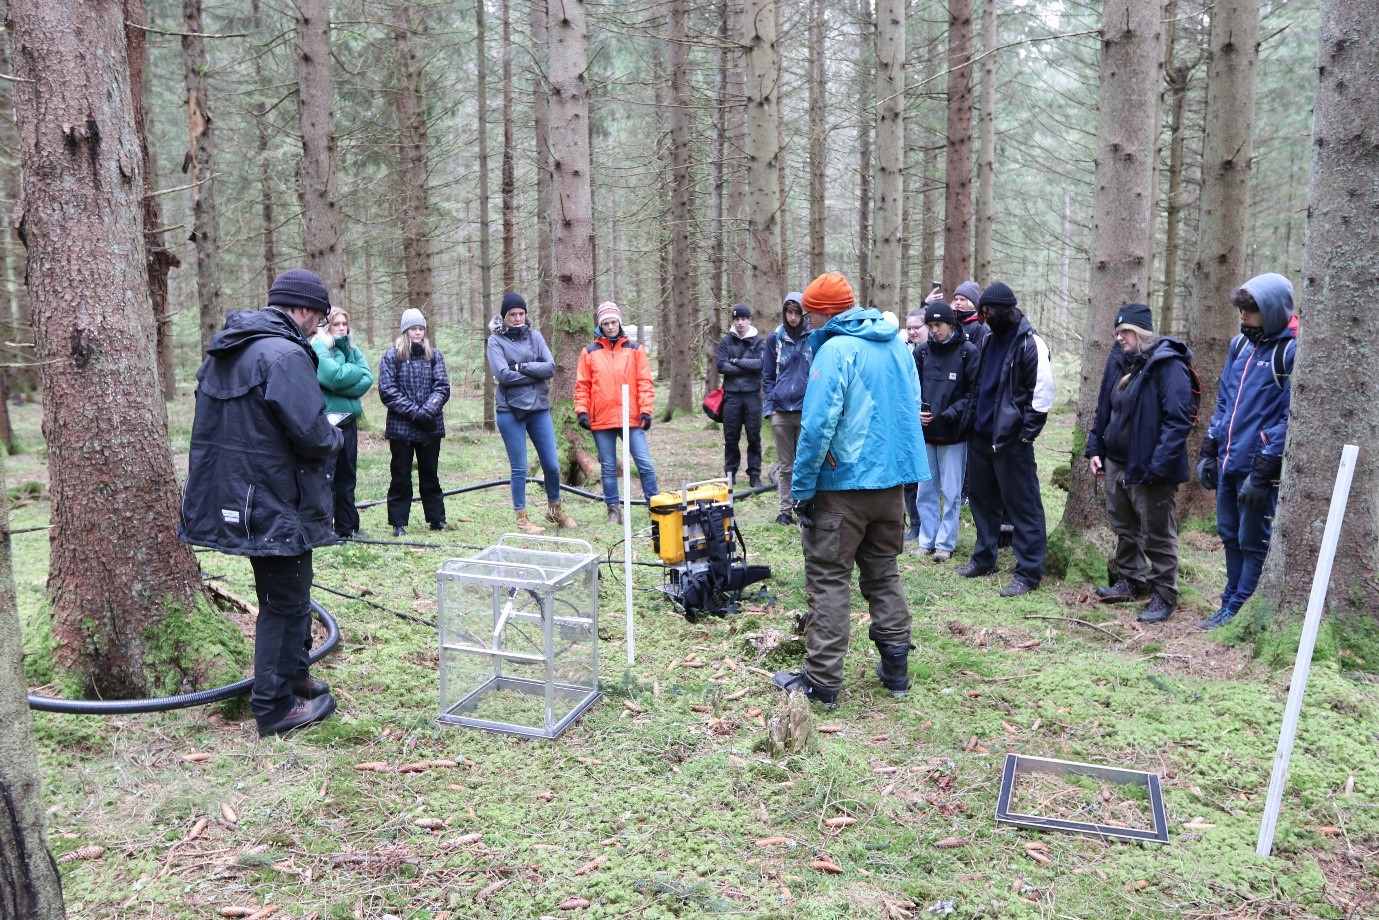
557, 516
525, 523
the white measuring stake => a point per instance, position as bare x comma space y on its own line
1320, 581
627, 523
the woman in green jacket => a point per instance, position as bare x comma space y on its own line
344, 376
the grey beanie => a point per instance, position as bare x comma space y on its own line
410, 318
970, 290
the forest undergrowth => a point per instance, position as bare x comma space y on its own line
663, 800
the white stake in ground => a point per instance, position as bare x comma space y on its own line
1320, 581
627, 524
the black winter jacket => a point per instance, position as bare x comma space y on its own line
947, 378
1025, 391
739, 361
256, 479
415, 392
1158, 398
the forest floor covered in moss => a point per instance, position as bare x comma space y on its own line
662, 801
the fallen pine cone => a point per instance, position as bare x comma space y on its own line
198, 828
490, 890
443, 763
823, 865
1036, 845
264, 914
591, 865
829, 729
196, 757
1137, 885
700, 707
430, 824
228, 813
95, 851
951, 843
632, 707
772, 841
1327, 830
236, 911
1038, 857
840, 821
371, 766
418, 767
573, 903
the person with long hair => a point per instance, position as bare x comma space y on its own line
344, 376
413, 385
523, 367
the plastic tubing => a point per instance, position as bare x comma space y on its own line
181, 700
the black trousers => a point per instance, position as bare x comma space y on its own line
1006, 478
282, 634
340, 468
742, 410
400, 489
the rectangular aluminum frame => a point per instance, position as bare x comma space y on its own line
1016, 764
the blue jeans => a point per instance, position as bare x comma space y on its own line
947, 468
606, 440
515, 432
1245, 533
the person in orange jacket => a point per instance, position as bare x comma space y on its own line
604, 366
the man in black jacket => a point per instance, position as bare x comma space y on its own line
1010, 402
257, 486
739, 361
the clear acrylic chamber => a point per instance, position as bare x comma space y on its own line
519, 636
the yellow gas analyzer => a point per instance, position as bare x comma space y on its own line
693, 532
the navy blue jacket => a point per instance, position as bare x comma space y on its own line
1158, 398
785, 370
256, 476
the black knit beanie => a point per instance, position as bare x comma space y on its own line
512, 301
1137, 315
998, 295
298, 287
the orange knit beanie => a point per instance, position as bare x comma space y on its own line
829, 294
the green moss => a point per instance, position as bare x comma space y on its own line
195, 650
1074, 558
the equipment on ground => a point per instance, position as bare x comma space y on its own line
694, 534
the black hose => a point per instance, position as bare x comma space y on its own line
181, 700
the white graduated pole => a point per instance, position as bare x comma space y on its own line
627, 523
1320, 581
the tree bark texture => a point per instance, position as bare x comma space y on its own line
1122, 210
736, 242
321, 218
103, 413
413, 149
485, 237
818, 138
30, 887
1227, 152
199, 165
866, 60
764, 279
572, 212
957, 208
986, 146
509, 179
161, 260
1340, 263
683, 303
261, 135
890, 154
545, 198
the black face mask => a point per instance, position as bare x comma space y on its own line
1252, 334
1002, 320
418, 350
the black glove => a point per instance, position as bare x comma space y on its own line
1207, 472
517, 366
1266, 470
583, 420
1253, 495
805, 512
1209, 448
646, 422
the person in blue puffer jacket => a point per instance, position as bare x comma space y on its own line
784, 375
860, 442
1242, 452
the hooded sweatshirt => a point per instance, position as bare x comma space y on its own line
1251, 414
785, 364
256, 478
860, 423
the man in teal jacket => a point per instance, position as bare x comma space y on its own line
860, 442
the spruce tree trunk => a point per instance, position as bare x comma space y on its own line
736, 243
509, 179
818, 138
413, 149
545, 198
1334, 388
572, 212
866, 59
30, 886
1227, 152
269, 223
986, 146
116, 569
764, 280
1122, 215
683, 303
316, 118
890, 154
199, 163
486, 304
957, 208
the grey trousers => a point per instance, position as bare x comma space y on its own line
785, 431
865, 527
1145, 520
